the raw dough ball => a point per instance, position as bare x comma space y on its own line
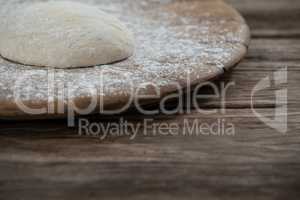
64, 35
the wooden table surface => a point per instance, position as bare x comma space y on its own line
48, 160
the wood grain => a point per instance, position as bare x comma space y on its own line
48, 160
256, 162
271, 18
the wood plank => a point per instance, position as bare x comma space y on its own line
248, 75
274, 50
265, 57
271, 18
258, 162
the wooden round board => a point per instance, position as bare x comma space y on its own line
175, 39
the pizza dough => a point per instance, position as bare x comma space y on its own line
64, 35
